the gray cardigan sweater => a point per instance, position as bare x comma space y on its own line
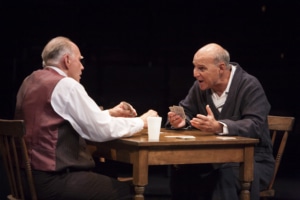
245, 110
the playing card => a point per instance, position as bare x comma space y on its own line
178, 110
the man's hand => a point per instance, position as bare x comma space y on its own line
175, 120
149, 113
124, 109
207, 123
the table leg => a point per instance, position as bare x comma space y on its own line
246, 172
139, 192
140, 173
245, 193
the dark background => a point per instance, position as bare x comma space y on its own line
141, 50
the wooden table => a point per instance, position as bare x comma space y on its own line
204, 148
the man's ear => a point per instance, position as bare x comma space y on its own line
67, 60
222, 66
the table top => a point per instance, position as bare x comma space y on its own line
183, 137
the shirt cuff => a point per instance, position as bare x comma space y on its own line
225, 129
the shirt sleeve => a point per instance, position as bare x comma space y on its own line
71, 101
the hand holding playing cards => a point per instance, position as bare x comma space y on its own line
207, 123
124, 109
176, 120
176, 116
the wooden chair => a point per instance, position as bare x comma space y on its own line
280, 127
14, 154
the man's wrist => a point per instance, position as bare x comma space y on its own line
224, 128
219, 128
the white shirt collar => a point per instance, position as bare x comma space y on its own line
61, 72
219, 101
233, 68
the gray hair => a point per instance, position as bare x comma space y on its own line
55, 49
222, 55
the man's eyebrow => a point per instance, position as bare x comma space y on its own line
199, 65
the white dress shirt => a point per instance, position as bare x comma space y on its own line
71, 101
219, 101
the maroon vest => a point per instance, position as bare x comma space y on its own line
52, 143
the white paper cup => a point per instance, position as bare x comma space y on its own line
154, 125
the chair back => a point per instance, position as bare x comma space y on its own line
14, 154
279, 126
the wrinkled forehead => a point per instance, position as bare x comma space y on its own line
203, 58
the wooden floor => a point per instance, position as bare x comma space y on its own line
287, 185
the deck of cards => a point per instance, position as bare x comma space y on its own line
178, 110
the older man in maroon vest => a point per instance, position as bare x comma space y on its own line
59, 116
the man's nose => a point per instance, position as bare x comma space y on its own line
197, 74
